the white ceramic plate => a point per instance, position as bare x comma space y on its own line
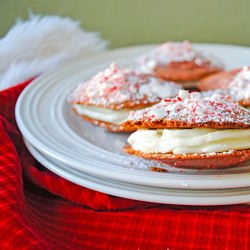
145, 193
46, 120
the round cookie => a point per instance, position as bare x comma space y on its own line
179, 62
221, 138
234, 83
107, 99
219, 80
196, 161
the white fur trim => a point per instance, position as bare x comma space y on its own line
40, 43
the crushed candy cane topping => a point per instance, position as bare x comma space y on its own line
193, 108
114, 87
238, 89
175, 52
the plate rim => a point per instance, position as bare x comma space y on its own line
174, 199
18, 117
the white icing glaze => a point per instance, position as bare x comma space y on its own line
184, 141
174, 52
103, 114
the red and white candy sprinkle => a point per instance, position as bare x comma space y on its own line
116, 86
238, 89
193, 108
175, 52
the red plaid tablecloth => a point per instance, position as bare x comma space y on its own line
39, 210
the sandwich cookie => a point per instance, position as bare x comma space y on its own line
191, 131
179, 62
107, 99
235, 83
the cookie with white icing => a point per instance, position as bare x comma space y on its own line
191, 131
179, 62
107, 99
234, 83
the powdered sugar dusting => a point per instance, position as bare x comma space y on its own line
238, 89
193, 108
175, 52
114, 87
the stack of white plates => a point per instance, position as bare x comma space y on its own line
93, 158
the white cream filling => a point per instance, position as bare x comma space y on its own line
184, 141
107, 115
